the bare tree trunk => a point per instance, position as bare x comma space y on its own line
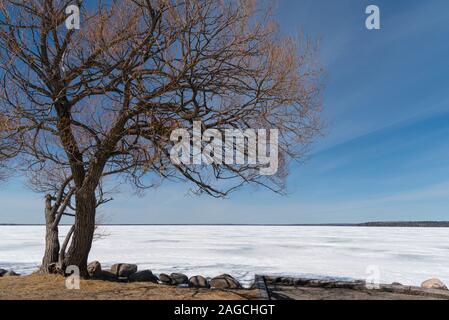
64, 246
51, 254
83, 232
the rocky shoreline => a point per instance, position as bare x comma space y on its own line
283, 288
129, 273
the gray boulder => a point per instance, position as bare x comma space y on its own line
94, 269
198, 282
179, 278
143, 276
11, 274
2, 272
124, 270
106, 275
225, 281
433, 284
166, 279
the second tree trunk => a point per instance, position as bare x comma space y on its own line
51, 254
83, 232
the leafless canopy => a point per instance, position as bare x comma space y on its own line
104, 99
7, 151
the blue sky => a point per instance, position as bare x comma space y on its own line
385, 153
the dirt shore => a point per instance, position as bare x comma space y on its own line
50, 287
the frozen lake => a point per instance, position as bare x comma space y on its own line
406, 255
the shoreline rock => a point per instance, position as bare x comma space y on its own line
124, 270
165, 279
179, 279
11, 273
106, 275
434, 284
143, 276
225, 281
198, 282
94, 269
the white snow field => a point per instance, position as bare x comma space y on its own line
405, 255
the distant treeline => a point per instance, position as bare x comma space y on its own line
428, 224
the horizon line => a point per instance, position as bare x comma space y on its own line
361, 224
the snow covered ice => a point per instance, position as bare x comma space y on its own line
405, 255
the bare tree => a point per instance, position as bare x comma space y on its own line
102, 101
2, 153
7, 150
58, 204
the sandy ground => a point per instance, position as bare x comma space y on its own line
50, 287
